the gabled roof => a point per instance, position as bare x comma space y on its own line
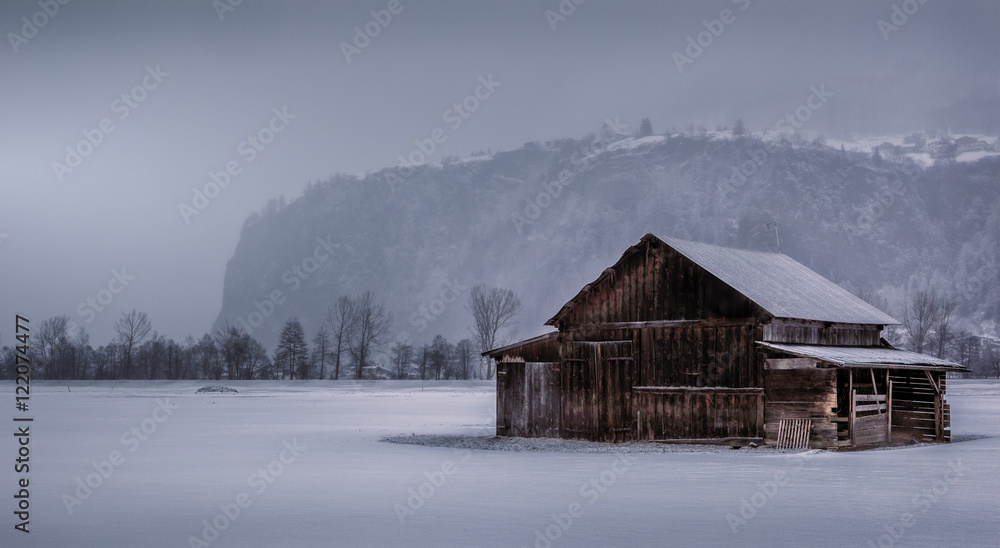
866, 356
782, 286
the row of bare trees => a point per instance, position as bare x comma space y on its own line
929, 327
438, 360
354, 332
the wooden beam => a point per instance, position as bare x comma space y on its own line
930, 379
662, 323
713, 441
696, 390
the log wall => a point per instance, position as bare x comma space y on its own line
797, 389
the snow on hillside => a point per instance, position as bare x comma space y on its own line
306, 460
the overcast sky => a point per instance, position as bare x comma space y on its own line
206, 83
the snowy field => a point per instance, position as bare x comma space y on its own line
307, 464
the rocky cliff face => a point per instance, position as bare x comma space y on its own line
545, 219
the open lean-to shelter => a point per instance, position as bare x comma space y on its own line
688, 342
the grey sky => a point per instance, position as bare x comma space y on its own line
118, 210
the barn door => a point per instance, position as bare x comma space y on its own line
597, 382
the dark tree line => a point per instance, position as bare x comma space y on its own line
928, 327
354, 332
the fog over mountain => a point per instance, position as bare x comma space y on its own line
179, 158
547, 218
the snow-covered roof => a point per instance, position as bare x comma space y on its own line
781, 285
865, 356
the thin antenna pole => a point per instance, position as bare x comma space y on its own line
774, 225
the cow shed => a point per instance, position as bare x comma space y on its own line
683, 341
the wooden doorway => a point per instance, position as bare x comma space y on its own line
596, 383
870, 413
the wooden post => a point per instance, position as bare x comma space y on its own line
850, 406
854, 395
938, 418
888, 408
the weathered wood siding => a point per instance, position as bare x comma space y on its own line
699, 355
596, 387
544, 350
800, 390
692, 413
528, 399
657, 284
809, 332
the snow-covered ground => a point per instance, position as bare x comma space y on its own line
306, 461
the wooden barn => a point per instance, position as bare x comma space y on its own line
688, 342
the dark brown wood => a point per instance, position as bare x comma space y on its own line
732, 441
658, 348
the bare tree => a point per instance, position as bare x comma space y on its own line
292, 353
341, 318
372, 323
132, 328
53, 337
993, 363
871, 296
966, 348
321, 348
230, 349
424, 357
258, 364
465, 353
440, 355
946, 311
919, 317
492, 309
83, 353
206, 357
402, 356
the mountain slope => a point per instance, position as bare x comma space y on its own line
418, 239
